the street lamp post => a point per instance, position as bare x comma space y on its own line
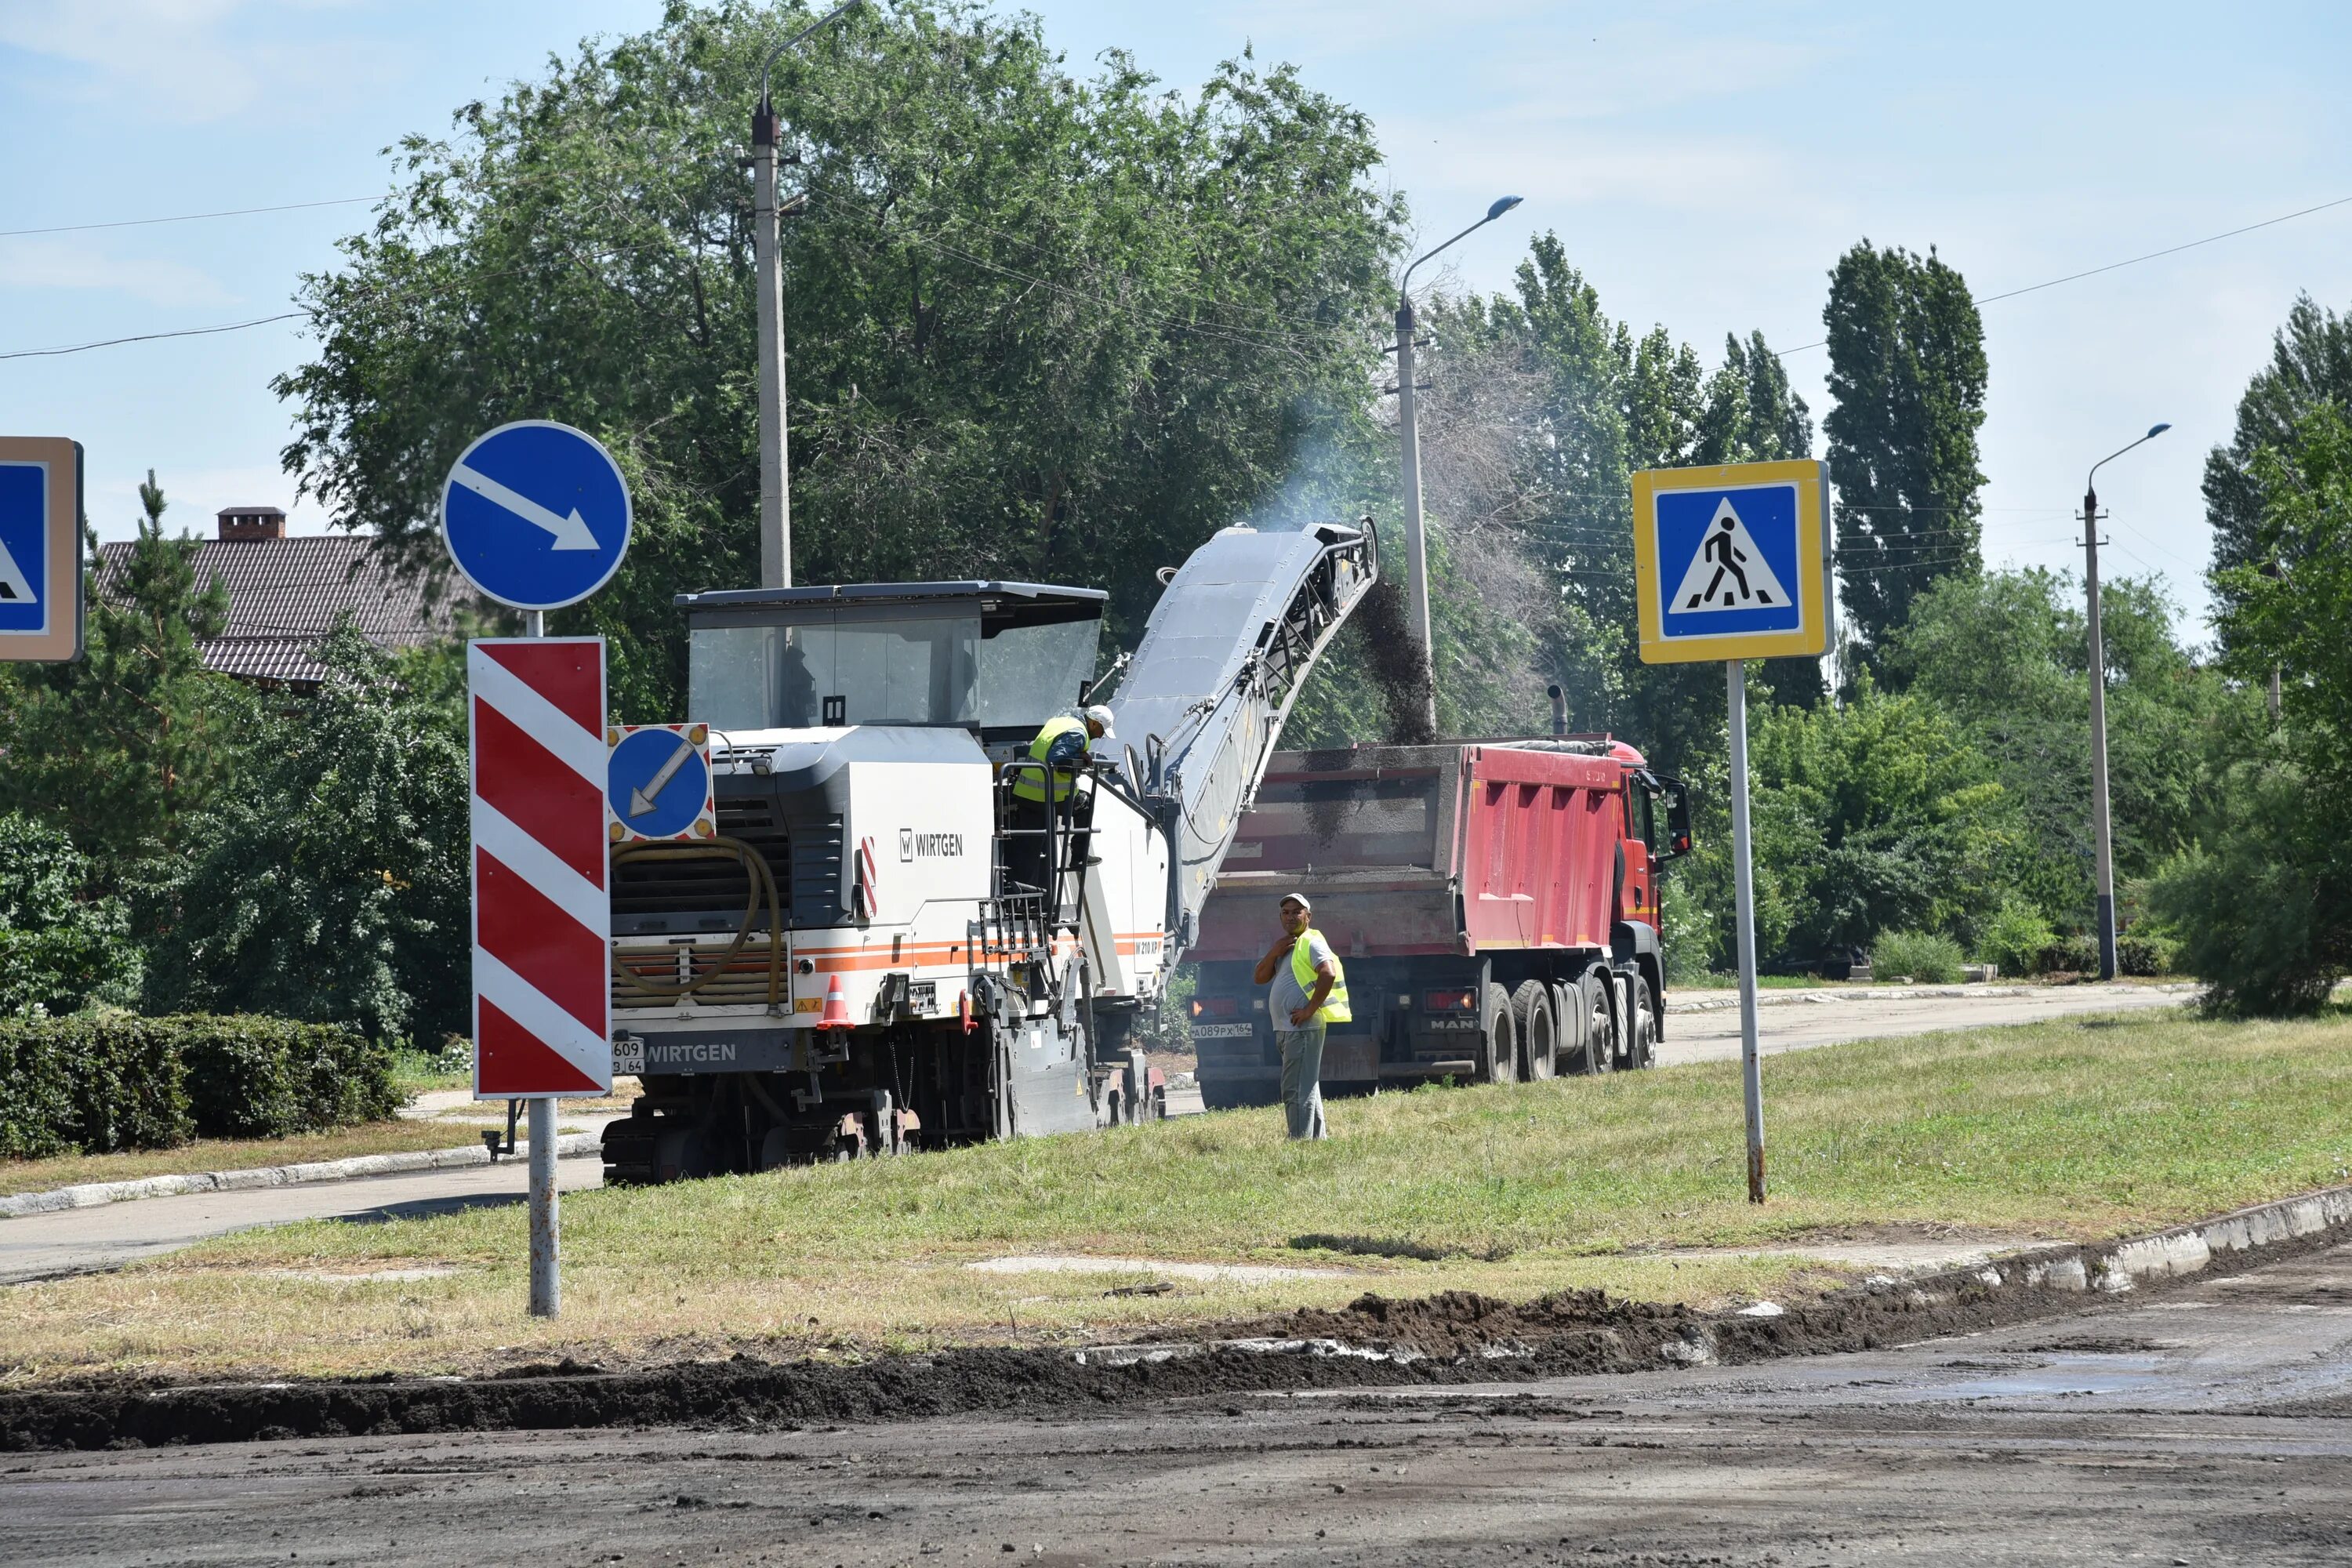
775, 477
2103, 845
1416, 549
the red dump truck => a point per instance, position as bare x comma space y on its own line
1495, 903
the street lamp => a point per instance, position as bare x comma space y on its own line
1416, 550
2100, 831
775, 481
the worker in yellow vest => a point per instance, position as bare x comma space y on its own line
1064, 743
1308, 990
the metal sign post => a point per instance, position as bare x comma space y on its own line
537, 515
1732, 563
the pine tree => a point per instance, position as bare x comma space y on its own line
118, 747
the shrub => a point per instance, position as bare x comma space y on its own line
2070, 955
96, 1083
1927, 956
2142, 956
2014, 938
60, 946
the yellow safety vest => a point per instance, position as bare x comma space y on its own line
1027, 783
1335, 1006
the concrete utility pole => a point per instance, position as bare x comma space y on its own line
775, 475
2104, 838
1415, 544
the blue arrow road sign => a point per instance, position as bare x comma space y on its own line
536, 515
657, 784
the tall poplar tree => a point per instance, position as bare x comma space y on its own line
1907, 375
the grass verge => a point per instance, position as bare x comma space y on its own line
2078, 1130
229, 1154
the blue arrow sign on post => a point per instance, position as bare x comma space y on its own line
536, 515
657, 783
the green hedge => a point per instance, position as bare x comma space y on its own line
90, 1085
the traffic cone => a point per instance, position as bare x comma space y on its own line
836, 1008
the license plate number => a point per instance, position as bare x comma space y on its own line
1223, 1031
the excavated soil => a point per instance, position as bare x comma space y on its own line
1375, 1340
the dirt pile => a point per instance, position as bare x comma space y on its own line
1450, 1338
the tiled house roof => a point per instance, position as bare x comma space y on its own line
286, 594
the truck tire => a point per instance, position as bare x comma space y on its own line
1598, 1023
1641, 1050
1498, 1039
1537, 1028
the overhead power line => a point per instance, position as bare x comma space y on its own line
2132, 261
183, 217
150, 337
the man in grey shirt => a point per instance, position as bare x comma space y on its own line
1307, 991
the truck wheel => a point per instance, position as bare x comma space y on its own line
1499, 1043
1644, 1051
1599, 1023
1531, 1016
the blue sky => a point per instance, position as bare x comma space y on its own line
1704, 162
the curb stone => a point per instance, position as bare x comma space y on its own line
91, 1194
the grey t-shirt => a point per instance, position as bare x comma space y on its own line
1284, 998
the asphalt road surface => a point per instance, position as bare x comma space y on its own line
1790, 1025
77, 1241
2211, 1424
44, 1246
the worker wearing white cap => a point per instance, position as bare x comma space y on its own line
1307, 990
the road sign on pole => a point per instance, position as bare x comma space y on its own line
536, 515
543, 902
658, 784
542, 898
1732, 563
40, 550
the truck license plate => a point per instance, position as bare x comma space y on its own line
628, 1055
1222, 1031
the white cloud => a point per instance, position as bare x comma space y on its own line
188, 60
60, 264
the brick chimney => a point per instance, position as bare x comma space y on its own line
253, 523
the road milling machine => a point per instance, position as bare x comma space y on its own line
891, 944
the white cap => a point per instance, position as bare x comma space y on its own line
1099, 714
1301, 899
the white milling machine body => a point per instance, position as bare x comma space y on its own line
885, 947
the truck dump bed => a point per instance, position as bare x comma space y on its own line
1462, 849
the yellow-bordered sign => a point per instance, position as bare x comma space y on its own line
1732, 562
40, 549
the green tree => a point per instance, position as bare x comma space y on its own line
2007, 654
2263, 906
62, 944
1907, 375
1039, 326
333, 885
1885, 818
118, 747
2311, 364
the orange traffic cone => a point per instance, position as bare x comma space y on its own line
836, 1008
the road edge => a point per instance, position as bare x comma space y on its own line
93, 1194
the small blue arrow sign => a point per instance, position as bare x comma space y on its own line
536, 515
657, 784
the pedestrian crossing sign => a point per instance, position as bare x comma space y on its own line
1732, 562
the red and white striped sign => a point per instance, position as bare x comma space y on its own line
542, 898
